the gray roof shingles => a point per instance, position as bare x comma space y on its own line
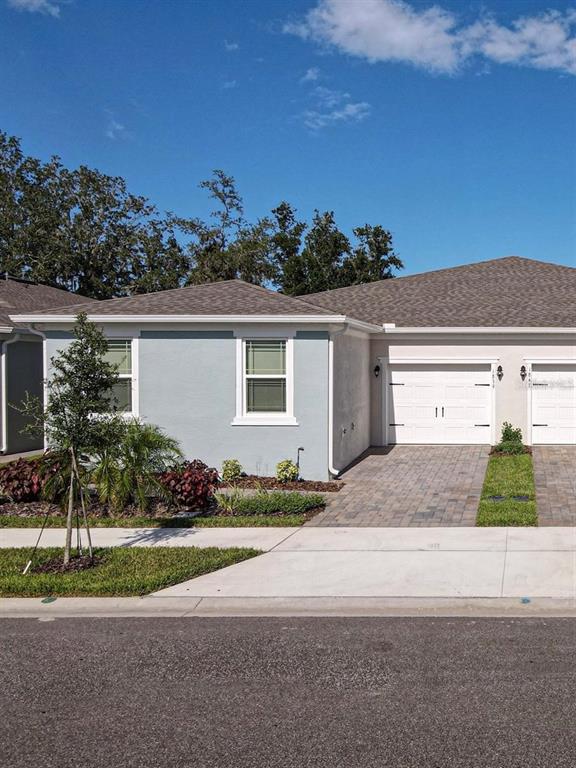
507, 292
228, 297
22, 296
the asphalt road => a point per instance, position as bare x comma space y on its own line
164, 693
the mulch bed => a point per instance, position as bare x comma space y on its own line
494, 452
94, 509
73, 566
271, 483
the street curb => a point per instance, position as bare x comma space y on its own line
162, 607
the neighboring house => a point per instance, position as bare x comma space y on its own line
237, 371
22, 367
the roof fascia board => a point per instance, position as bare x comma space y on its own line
482, 330
250, 319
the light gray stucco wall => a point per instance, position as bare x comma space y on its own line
511, 393
187, 386
351, 397
24, 374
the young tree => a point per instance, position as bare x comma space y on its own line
79, 417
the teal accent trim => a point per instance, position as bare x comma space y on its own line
312, 335
187, 335
59, 334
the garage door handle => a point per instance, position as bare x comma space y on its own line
481, 385
539, 425
396, 383
436, 411
442, 411
396, 425
481, 425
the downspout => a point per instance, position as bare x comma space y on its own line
331, 469
5, 343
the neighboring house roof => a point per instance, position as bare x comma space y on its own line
507, 292
24, 296
228, 299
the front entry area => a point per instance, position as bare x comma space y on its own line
445, 404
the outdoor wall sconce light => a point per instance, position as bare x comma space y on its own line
376, 371
523, 372
499, 373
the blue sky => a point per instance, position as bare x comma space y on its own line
454, 126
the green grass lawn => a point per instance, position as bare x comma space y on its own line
508, 476
121, 571
215, 521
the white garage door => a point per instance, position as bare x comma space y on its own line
439, 404
554, 404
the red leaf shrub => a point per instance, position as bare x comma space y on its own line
191, 484
20, 480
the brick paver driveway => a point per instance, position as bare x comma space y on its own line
410, 485
555, 479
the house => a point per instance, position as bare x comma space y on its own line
237, 371
22, 368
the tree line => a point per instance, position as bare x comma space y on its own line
84, 231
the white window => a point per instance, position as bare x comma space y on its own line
265, 386
120, 354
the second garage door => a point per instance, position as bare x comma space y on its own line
554, 404
443, 404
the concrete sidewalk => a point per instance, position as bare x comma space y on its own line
345, 572
401, 563
258, 538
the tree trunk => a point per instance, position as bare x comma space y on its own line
69, 520
84, 515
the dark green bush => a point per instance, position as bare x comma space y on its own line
510, 447
277, 503
510, 434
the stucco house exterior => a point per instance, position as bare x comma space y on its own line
22, 366
237, 371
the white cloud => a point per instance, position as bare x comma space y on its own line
229, 84
231, 46
47, 7
332, 107
434, 39
311, 75
115, 130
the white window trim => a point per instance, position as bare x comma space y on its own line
134, 343
272, 419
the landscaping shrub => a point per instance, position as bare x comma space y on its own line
286, 471
271, 503
510, 434
55, 468
127, 470
21, 480
510, 447
510, 440
231, 470
191, 484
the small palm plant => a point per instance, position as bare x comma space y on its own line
128, 472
